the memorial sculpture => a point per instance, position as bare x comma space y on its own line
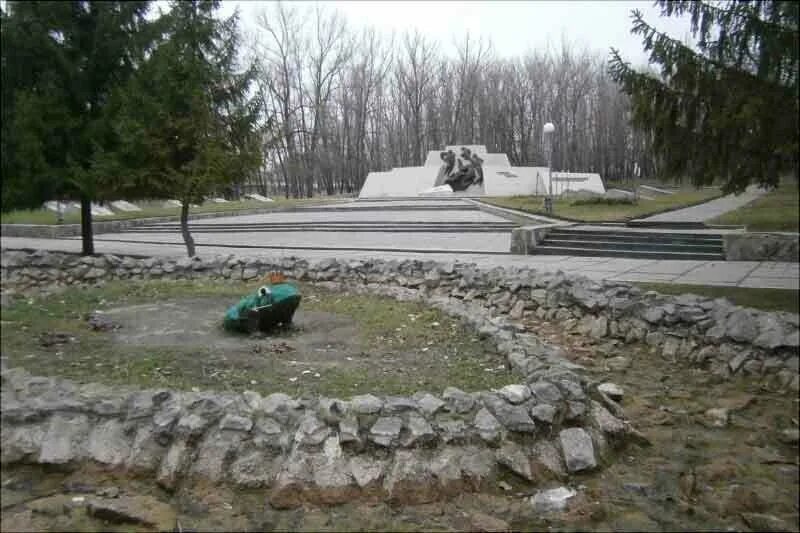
470, 171
448, 164
477, 165
270, 306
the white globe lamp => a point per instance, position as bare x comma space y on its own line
548, 131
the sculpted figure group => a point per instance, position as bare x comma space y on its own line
469, 171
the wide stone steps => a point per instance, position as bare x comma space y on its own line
633, 245
638, 244
389, 227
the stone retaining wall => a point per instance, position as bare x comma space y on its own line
762, 247
406, 449
525, 239
321, 450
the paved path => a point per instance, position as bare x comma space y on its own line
711, 209
490, 243
626, 229
728, 273
372, 214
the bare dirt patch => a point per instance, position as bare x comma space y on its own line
169, 334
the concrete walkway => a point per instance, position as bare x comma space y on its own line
711, 209
725, 273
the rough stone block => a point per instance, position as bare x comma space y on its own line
576, 445
65, 439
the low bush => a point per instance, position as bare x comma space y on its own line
602, 200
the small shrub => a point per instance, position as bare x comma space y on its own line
602, 200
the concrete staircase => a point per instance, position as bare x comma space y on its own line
633, 244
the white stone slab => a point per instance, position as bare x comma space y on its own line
64, 207
101, 211
576, 181
442, 189
258, 197
218, 200
514, 181
398, 182
122, 205
172, 203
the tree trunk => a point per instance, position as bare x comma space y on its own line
87, 236
187, 237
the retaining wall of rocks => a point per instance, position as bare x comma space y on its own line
406, 449
762, 247
321, 450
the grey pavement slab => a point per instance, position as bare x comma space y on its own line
620, 264
636, 276
481, 242
626, 229
770, 283
730, 273
777, 270
382, 216
667, 266
711, 209
719, 272
403, 203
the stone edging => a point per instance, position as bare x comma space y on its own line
403, 449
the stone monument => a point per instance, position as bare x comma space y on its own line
471, 171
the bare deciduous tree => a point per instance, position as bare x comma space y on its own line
342, 104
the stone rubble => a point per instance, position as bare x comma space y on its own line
551, 500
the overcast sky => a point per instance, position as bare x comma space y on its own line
513, 26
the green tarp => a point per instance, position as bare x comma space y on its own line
280, 299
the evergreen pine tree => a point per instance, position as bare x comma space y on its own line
726, 109
188, 123
61, 63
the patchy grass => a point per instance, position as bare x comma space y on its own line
341, 345
156, 209
766, 299
603, 211
778, 210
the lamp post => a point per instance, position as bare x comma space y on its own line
547, 132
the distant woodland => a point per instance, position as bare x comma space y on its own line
341, 103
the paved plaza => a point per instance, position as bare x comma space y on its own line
440, 230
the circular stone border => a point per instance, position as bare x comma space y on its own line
553, 424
